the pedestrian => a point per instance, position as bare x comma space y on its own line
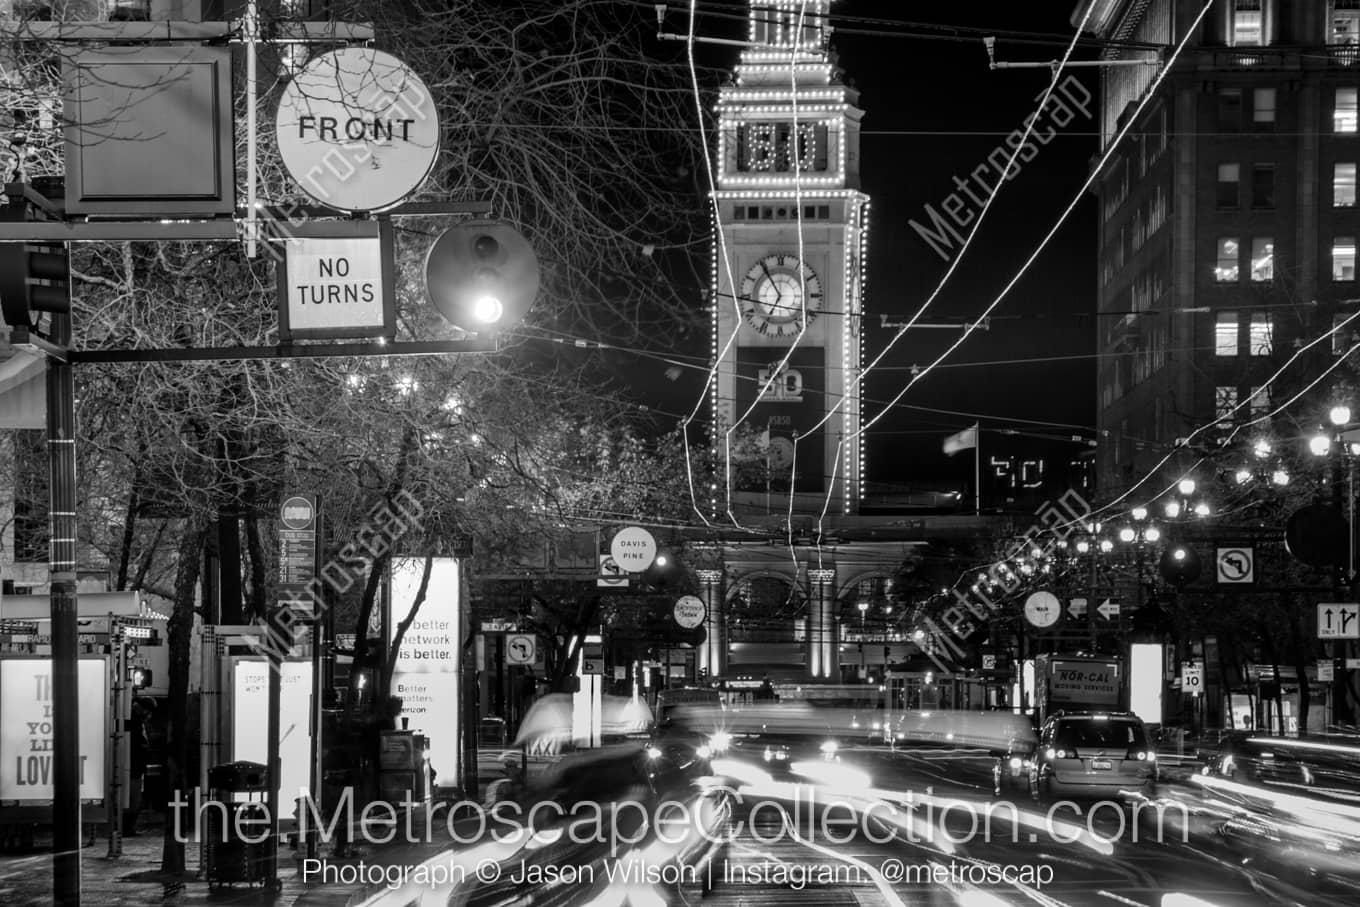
139, 746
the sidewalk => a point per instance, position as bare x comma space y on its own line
135, 879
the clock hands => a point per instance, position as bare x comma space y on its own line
778, 295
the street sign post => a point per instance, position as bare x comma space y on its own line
1192, 677
335, 281
1338, 620
1234, 565
689, 611
633, 549
357, 130
611, 575
520, 649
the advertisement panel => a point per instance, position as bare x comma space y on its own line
1095, 683
425, 674
250, 730
26, 728
791, 407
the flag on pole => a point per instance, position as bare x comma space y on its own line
964, 440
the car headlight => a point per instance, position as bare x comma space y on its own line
829, 748
1016, 762
704, 752
720, 741
653, 753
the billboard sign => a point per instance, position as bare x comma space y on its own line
26, 752
250, 733
1082, 681
425, 676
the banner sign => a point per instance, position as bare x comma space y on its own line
26, 771
793, 405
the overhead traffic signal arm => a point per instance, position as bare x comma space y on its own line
35, 278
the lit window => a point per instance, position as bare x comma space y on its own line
1344, 111
1343, 258
1345, 22
1260, 402
1225, 401
1229, 176
1262, 334
1263, 186
1225, 269
1247, 23
1343, 185
1262, 258
1263, 108
1225, 334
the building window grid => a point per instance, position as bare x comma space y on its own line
1343, 184
1343, 258
1261, 334
1225, 334
1227, 192
1225, 402
1263, 107
1263, 186
1259, 403
1230, 110
1346, 110
1248, 23
1225, 267
1262, 259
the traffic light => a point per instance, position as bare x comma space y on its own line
481, 276
141, 678
34, 278
1179, 565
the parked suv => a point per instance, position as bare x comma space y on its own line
1092, 754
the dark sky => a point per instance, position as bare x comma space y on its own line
934, 111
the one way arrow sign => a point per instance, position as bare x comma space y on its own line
1077, 607
1338, 620
1109, 609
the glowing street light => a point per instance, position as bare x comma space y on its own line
1340, 414
1186, 486
1320, 445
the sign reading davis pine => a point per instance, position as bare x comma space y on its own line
357, 130
335, 281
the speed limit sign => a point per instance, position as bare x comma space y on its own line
1192, 677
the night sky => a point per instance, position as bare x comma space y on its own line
934, 111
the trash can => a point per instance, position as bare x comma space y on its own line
237, 847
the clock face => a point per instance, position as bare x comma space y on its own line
777, 293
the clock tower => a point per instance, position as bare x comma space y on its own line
788, 264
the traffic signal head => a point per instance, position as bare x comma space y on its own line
141, 678
482, 276
34, 278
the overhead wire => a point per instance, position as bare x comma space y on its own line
949, 272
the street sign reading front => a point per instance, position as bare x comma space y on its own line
332, 287
357, 130
1338, 620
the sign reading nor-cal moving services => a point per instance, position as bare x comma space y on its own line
26, 771
1078, 681
357, 130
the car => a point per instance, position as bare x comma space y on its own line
1092, 755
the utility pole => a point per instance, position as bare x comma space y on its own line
61, 462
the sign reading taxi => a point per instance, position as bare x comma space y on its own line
357, 130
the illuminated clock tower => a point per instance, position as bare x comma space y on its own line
788, 263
